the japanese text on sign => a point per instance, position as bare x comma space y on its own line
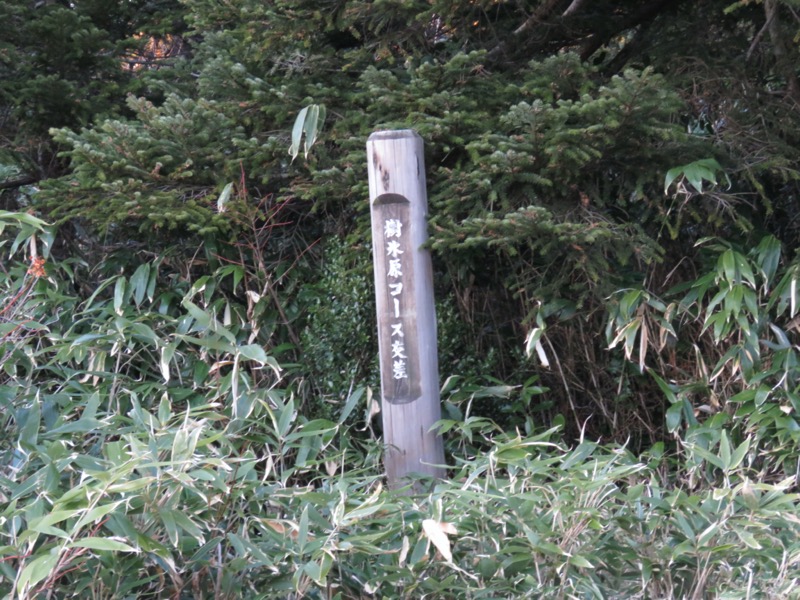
397, 329
393, 228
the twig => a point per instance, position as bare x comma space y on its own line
574, 7
757, 40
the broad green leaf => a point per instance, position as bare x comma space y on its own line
125, 487
579, 454
243, 405
152, 280
139, 282
314, 428
727, 266
297, 132
82, 425
102, 544
351, 403
88, 337
56, 516
725, 451
184, 522
171, 527
313, 125
22, 217
673, 417
696, 173
285, 418
198, 314
768, 257
748, 539
580, 561
419, 552
207, 321
708, 456
738, 455
35, 571
254, 352
164, 409
302, 533
665, 388
708, 534
119, 294
29, 432
309, 122
671, 176
743, 266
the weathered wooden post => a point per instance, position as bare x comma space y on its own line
406, 314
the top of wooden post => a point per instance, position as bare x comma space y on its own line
392, 134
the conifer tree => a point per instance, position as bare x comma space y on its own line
549, 130
65, 64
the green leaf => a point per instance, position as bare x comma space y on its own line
119, 294
768, 258
285, 418
665, 388
672, 175
727, 266
22, 217
738, 455
708, 456
708, 534
743, 266
309, 121
164, 409
673, 417
189, 526
171, 527
34, 572
696, 173
29, 432
302, 534
102, 544
254, 352
297, 132
139, 282
351, 403
579, 561
725, 451
748, 539
206, 321
313, 125
56, 516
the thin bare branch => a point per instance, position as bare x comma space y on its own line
9, 184
574, 7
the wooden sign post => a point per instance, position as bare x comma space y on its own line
406, 314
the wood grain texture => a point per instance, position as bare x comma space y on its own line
405, 306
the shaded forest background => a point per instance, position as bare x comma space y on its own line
614, 189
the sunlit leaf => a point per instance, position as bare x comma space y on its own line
437, 532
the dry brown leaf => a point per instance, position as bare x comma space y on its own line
437, 532
404, 550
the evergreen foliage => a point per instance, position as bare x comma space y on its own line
156, 172
613, 191
545, 174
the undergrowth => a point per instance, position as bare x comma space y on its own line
151, 448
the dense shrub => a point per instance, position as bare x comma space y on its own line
149, 449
